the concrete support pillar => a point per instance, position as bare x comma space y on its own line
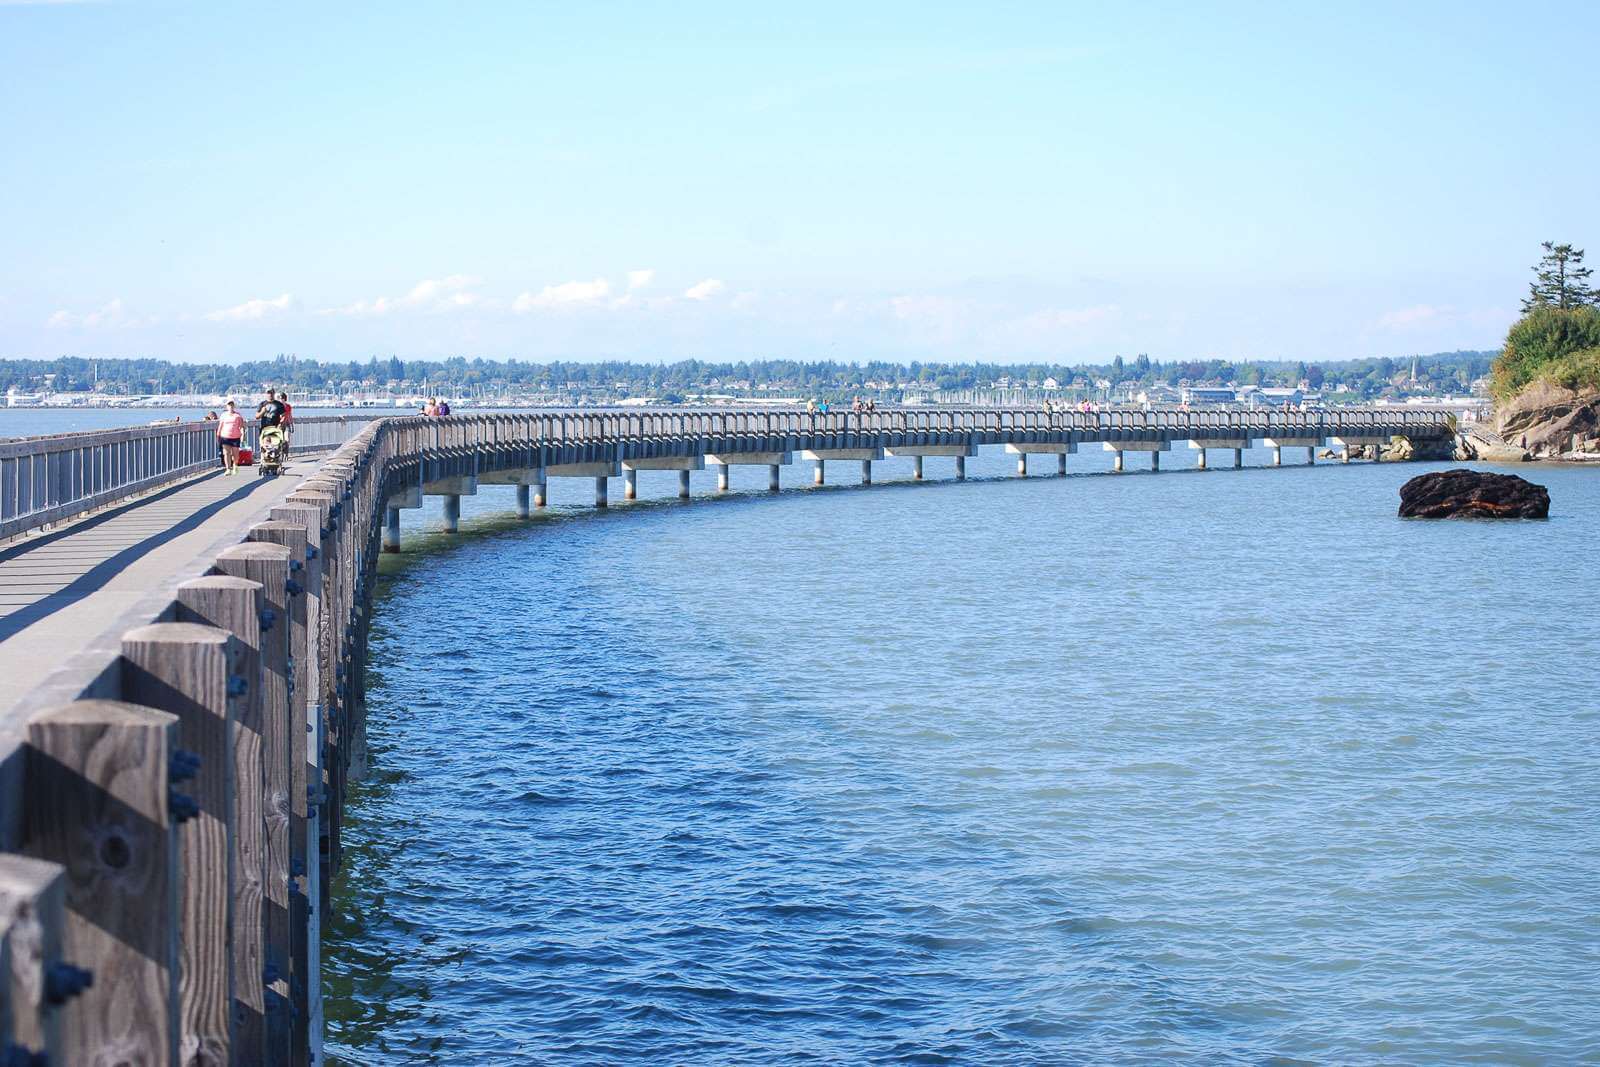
723, 470
600, 493
1377, 453
1238, 458
539, 493
961, 468
772, 476
452, 513
630, 485
1116, 460
866, 472
1344, 454
1200, 460
916, 467
1061, 463
1155, 460
683, 485
391, 529
817, 478
1277, 455
523, 496
1311, 455
1022, 464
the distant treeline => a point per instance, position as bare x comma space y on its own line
1448, 371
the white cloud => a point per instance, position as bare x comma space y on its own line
1066, 318
113, 313
432, 294
704, 290
251, 310
567, 294
1417, 315
638, 279
927, 308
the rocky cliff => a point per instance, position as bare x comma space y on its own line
1549, 421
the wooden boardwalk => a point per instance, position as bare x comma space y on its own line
63, 587
182, 680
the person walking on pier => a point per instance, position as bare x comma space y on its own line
288, 420
270, 411
230, 435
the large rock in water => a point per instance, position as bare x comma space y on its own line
1461, 493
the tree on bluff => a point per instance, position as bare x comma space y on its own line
1558, 337
1560, 280
1562, 345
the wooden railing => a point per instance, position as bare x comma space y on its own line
44, 480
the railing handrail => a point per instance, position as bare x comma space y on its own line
54, 477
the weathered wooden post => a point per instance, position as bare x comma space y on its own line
189, 670
101, 803
268, 565
302, 785
235, 605
32, 902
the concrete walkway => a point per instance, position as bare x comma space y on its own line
62, 589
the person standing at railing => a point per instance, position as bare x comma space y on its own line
222, 461
230, 435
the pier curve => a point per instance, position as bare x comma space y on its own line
299, 688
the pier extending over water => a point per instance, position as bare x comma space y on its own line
172, 785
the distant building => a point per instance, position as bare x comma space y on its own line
1277, 398
1051, 384
1206, 394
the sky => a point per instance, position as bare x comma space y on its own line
1053, 181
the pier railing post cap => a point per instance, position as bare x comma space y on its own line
256, 550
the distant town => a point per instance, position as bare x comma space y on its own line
1458, 379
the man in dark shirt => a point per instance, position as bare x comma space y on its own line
271, 411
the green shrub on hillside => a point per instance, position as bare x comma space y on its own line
1552, 343
1579, 371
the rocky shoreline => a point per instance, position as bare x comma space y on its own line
1544, 422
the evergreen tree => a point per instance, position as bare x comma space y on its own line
1560, 280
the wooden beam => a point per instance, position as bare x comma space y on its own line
268, 565
188, 670
98, 804
32, 912
235, 605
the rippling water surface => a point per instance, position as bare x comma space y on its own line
1220, 767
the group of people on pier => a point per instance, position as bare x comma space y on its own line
435, 408
275, 410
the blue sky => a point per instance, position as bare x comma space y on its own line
897, 180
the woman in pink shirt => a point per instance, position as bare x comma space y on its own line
230, 434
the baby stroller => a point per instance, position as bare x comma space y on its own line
272, 444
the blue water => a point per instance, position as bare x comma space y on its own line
1204, 767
